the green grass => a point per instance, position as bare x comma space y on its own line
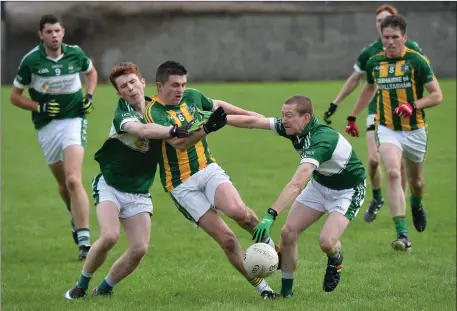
184, 268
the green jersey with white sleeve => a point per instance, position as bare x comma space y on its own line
54, 79
337, 165
128, 163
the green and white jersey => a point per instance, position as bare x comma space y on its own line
128, 162
54, 79
337, 165
370, 51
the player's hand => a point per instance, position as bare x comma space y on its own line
331, 110
88, 104
262, 230
405, 110
216, 121
50, 108
205, 114
180, 132
351, 127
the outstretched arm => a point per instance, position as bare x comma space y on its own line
294, 187
288, 195
232, 109
149, 130
249, 122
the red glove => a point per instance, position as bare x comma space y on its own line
405, 110
351, 127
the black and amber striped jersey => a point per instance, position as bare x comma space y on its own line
177, 166
399, 80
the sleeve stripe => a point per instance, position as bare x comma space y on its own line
357, 68
90, 67
310, 160
126, 120
18, 85
147, 115
273, 127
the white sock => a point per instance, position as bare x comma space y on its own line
263, 286
287, 275
269, 241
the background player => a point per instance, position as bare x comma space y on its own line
401, 74
374, 169
51, 72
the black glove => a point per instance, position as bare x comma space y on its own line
180, 132
50, 108
216, 121
331, 110
88, 104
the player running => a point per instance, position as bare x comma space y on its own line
198, 186
400, 74
337, 186
51, 72
128, 162
374, 169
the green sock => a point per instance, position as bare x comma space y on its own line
415, 202
105, 286
400, 225
84, 280
287, 283
377, 194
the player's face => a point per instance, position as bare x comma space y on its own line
379, 19
293, 122
172, 91
393, 41
52, 36
131, 88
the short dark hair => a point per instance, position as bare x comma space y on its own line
48, 19
304, 104
121, 69
394, 21
169, 68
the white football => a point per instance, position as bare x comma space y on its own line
260, 261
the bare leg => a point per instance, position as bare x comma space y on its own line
73, 161
137, 229
108, 219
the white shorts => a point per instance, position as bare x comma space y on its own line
128, 204
370, 120
195, 196
413, 144
346, 202
57, 135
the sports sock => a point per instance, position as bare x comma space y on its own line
335, 260
260, 284
416, 203
106, 286
287, 283
400, 225
84, 280
83, 236
377, 194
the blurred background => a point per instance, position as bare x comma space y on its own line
229, 41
